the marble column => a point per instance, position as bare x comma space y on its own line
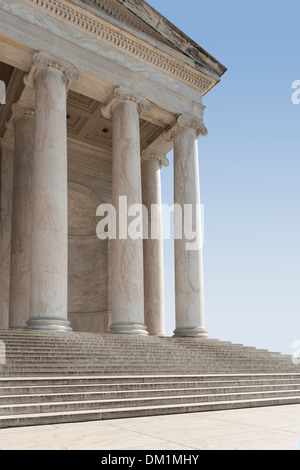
6, 190
49, 270
152, 162
127, 253
19, 306
189, 286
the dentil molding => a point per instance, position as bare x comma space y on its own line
123, 41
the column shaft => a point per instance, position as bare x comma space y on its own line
153, 247
127, 254
21, 223
189, 289
50, 217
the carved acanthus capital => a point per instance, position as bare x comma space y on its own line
43, 61
185, 122
150, 154
19, 110
121, 95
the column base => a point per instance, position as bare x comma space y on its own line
48, 323
129, 329
191, 333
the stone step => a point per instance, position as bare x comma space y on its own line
95, 339
148, 356
208, 345
32, 349
119, 413
88, 395
101, 350
108, 372
196, 367
89, 386
168, 362
36, 370
150, 348
85, 404
16, 355
11, 354
168, 387
209, 385
61, 377
154, 378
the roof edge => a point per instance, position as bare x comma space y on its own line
174, 35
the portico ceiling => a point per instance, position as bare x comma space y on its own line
84, 120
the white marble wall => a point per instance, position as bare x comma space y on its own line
88, 264
90, 174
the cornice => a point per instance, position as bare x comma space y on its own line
114, 11
174, 35
103, 30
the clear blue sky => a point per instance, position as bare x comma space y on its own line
249, 170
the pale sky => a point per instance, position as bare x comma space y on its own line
249, 171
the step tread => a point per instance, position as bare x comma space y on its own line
141, 399
156, 391
173, 407
50, 374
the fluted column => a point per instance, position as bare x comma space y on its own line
22, 121
49, 270
127, 253
189, 285
152, 162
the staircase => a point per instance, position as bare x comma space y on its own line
71, 377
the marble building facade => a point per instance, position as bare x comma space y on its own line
97, 93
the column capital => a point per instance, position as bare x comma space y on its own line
19, 110
42, 61
121, 95
185, 122
149, 154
